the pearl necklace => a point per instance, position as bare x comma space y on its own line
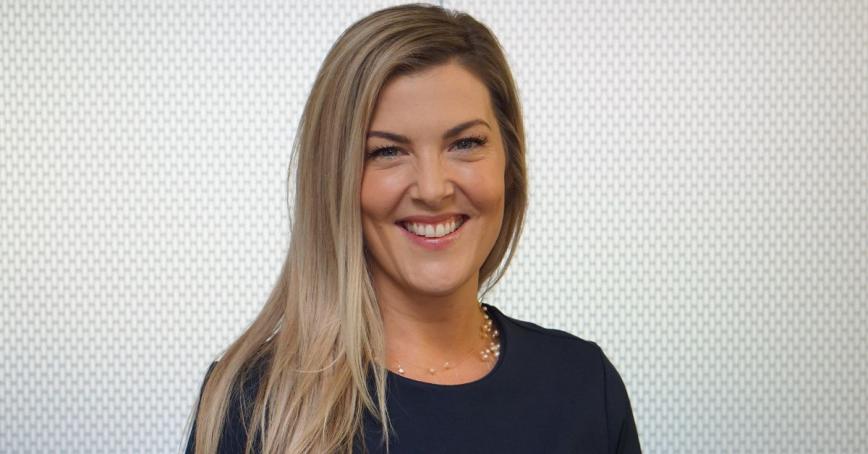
490, 353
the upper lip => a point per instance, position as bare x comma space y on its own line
431, 219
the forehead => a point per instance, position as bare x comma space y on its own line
436, 98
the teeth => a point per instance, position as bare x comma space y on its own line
432, 231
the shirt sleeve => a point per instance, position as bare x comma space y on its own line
622, 434
191, 441
234, 435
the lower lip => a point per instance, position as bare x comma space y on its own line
434, 244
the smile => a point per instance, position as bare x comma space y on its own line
434, 230
433, 236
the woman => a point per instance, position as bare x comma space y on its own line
411, 190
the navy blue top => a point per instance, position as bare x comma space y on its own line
549, 392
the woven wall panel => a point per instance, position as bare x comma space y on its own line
699, 207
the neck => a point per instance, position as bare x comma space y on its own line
431, 329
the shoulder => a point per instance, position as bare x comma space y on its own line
573, 352
544, 341
241, 399
582, 373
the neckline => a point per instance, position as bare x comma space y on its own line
498, 321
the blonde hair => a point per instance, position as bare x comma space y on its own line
320, 331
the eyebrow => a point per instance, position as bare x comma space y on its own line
451, 132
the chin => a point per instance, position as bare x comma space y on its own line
437, 284
439, 288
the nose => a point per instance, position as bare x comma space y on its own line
433, 179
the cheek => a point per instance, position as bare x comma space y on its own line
492, 190
379, 195
485, 186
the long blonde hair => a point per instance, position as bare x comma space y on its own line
320, 330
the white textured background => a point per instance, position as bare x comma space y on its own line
699, 207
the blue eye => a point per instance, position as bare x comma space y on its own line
471, 140
377, 152
479, 141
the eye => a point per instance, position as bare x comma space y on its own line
381, 152
478, 140
386, 153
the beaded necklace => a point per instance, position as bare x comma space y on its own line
490, 353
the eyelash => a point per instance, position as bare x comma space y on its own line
478, 140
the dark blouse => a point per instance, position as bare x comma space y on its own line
549, 392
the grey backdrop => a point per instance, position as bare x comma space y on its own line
699, 207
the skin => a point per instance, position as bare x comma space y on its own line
428, 298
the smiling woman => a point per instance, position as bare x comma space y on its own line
443, 176
411, 193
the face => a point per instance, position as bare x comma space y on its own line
433, 150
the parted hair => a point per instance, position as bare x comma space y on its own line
320, 331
